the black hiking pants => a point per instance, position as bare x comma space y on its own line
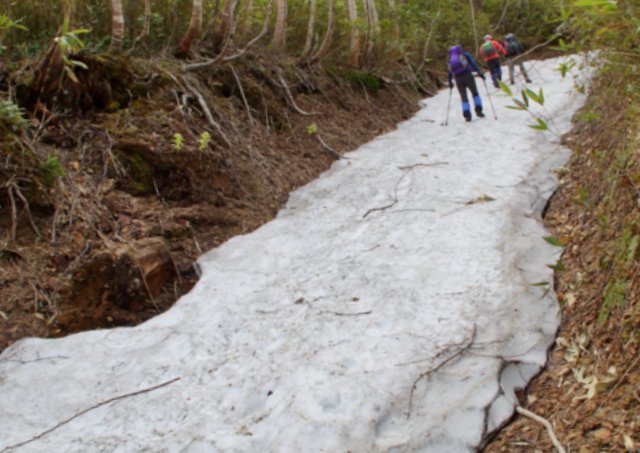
466, 81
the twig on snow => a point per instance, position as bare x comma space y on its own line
410, 167
95, 406
552, 435
395, 190
427, 374
390, 205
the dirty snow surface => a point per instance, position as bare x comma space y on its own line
389, 307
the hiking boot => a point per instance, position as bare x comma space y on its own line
528, 81
512, 82
467, 119
480, 114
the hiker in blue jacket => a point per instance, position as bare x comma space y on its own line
461, 65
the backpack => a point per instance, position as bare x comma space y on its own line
512, 45
487, 50
458, 63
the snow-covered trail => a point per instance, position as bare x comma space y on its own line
389, 307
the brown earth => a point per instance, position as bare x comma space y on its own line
590, 390
108, 236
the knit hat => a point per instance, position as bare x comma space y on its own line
487, 37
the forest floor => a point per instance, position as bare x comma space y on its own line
88, 191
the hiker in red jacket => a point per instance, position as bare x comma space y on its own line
490, 50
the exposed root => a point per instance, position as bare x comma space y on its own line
332, 151
244, 98
552, 435
12, 191
292, 102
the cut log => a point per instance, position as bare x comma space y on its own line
114, 283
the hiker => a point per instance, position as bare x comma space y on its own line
461, 63
490, 51
514, 48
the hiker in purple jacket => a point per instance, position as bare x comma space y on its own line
461, 65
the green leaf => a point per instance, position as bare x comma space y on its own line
540, 284
520, 104
558, 267
553, 241
525, 99
540, 125
505, 88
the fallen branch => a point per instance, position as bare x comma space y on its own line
207, 113
552, 435
244, 98
361, 313
411, 167
290, 96
427, 374
338, 154
395, 190
95, 406
12, 191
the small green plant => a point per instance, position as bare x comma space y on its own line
51, 170
583, 196
7, 24
312, 129
204, 140
70, 43
553, 241
565, 67
11, 116
558, 267
614, 296
524, 104
178, 141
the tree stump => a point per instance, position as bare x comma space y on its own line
116, 282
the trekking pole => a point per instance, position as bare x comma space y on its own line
446, 121
495, 117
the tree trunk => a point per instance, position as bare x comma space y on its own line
221, 36
247, 22
354, 41
324, 47
146, 25
279, 32
395, 36
194, 28
473, 22
310, 30
373, 27
117, 26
